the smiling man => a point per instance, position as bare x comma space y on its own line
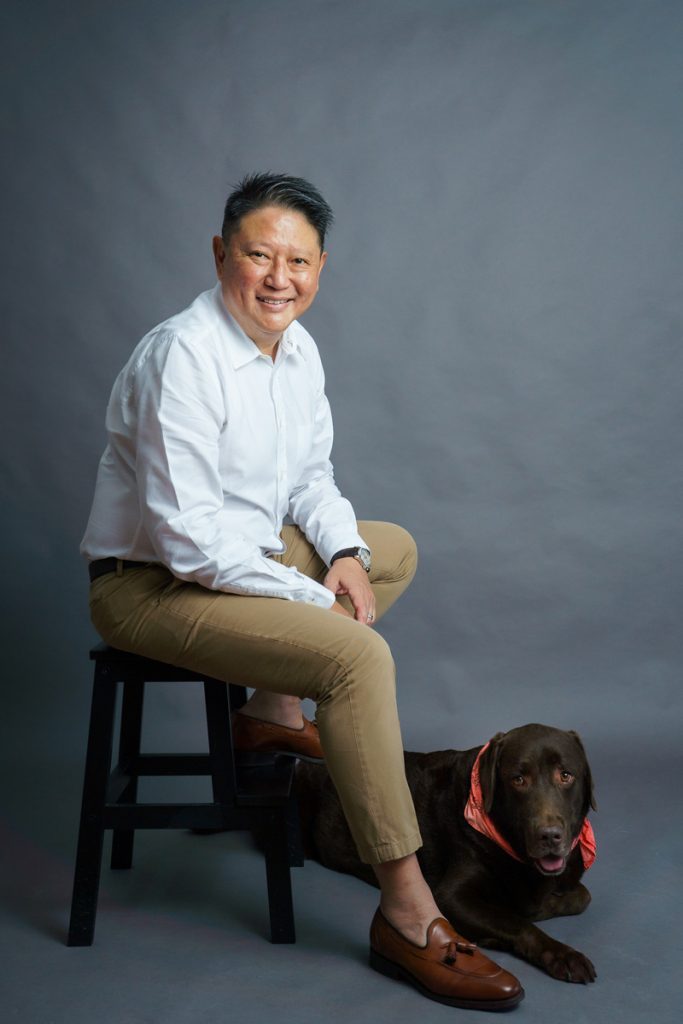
218, 541
269, 271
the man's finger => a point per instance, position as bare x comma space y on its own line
363, 606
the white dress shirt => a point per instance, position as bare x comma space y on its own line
212, 446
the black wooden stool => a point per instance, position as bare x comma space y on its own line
255, 796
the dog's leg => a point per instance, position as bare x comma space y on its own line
563, 904
498, 927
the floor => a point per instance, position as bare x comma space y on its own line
183, 937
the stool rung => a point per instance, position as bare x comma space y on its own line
173, 815
168, 764
254, 797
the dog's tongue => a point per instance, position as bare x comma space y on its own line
551, 863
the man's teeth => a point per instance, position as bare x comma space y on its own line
274, 302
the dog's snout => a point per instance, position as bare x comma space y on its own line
550, 834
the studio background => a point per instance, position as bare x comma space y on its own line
500, 324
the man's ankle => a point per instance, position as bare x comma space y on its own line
276, 708
412, 923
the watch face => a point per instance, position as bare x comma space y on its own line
364, 558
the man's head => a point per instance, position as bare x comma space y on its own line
270, 254
258, 190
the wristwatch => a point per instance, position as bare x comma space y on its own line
361, 555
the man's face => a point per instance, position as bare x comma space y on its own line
269, 272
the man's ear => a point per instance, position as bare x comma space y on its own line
218, 246
488, 769
589, 792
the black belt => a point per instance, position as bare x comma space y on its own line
101, 566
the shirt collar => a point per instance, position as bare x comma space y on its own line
241, 348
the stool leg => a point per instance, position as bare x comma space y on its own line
91, 832
220, 746
277, 830
129, 752
294, 843
238, 696
279, 880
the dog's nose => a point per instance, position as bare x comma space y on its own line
551, 834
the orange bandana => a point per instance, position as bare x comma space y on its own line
476, 816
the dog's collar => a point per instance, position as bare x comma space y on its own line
476, 816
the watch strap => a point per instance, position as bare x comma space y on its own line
351, 553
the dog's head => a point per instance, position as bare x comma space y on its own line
537, 788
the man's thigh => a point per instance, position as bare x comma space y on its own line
394, 555
262, 642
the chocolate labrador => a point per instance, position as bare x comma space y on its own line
506, 839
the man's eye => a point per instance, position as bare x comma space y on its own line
300, 261
258, 255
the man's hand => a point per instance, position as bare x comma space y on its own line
348, 577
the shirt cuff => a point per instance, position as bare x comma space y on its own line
320, 596
338, 541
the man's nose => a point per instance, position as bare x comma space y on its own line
278, 276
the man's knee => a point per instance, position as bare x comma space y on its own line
372, 681
406, 548
366, 665
376, 658
394, 552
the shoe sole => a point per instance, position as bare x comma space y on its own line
397, 973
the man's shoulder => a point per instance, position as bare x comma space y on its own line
199, 319
303, 341
195, 328
192, 334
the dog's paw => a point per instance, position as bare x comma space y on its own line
567, 964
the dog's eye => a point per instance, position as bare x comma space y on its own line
566, 777
518, 781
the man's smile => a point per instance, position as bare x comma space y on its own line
269, 272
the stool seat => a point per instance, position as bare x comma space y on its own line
254, 796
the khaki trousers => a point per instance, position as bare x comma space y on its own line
292, 648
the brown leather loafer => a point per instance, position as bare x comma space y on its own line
254, 736
448, 969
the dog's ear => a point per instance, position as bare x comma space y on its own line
488, 769
588, 778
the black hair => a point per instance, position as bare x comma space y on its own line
258, 190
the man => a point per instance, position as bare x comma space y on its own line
218, 541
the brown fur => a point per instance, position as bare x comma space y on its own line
537, 788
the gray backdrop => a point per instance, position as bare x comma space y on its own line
500, 325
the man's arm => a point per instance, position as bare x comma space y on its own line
327, 519
181, 412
